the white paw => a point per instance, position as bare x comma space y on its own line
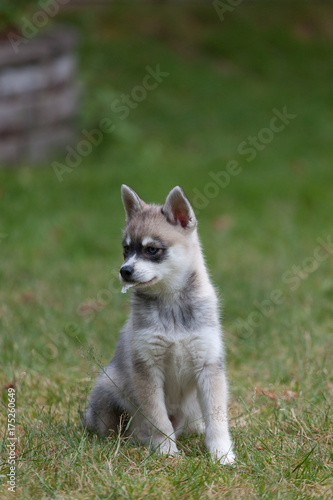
224, 457
222, 452
167, 447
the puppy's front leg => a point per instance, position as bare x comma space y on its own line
151, 423
213, 397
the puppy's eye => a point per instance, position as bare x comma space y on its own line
151, 250
126, 249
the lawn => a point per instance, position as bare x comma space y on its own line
241, 118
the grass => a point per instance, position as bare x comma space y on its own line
61, 307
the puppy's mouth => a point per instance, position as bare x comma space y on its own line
127, 286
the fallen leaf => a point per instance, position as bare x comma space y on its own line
28, 297
11, 385
222, 222
270, 395
90, 305
288, 395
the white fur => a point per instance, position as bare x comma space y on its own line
148, 241
174, 373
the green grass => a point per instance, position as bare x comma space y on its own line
60, 302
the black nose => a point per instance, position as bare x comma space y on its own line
126, 272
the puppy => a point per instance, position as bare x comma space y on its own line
168, 372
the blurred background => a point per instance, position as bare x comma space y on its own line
232, 102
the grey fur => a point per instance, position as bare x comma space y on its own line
189, 312
167, 375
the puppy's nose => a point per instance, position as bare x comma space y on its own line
126, 272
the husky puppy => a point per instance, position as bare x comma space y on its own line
168, 372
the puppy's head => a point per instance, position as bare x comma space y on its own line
158, 241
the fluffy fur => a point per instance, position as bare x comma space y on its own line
168, 373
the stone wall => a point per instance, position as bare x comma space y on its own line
38, 97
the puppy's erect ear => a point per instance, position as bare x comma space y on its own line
131, 201
178, 210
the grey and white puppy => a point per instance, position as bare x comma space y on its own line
168, 373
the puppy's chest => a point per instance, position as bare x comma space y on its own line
174, 355
178, 353
191, 313
178, 337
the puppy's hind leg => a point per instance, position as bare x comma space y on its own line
103, 413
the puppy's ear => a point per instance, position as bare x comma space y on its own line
178, 210
131, 201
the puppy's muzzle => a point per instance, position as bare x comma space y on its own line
127, 273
